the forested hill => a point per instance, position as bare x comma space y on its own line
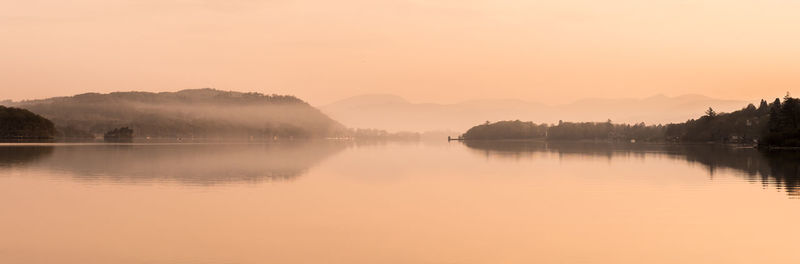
21, 124
199, 113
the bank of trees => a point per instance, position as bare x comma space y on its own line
605, 131
773, 124
507, 130
783, 127
565, 131
746, 125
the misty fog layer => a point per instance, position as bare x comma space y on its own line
198, 113
394, 113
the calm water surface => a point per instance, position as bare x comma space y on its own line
334, 202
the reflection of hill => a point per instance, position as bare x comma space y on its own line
186, 163
779, 168
19, 155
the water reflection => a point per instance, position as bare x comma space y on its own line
19, 155
778, 168
201, 164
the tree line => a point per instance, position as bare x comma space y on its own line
769, 124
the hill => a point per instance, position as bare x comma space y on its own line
199, 113
16, 123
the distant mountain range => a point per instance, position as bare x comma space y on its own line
394, 113
214, 113
201, 113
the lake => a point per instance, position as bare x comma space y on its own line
346, 202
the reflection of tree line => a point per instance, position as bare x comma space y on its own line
18, 155
781, 168
202, 164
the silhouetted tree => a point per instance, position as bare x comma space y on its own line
763, 107
710, 112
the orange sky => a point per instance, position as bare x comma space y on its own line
424, 50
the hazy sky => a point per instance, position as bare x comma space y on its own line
424, 50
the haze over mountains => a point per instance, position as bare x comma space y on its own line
214, 113
190, 113
394, 113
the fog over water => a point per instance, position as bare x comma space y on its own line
201, 113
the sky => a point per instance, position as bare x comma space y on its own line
424, 50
